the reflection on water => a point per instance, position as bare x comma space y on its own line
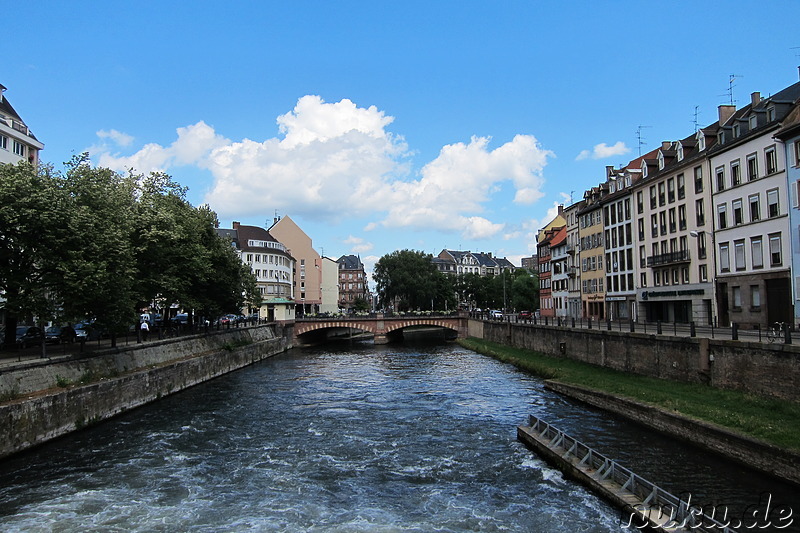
355, 438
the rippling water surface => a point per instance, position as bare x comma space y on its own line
386, 439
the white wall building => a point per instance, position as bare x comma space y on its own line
17, 142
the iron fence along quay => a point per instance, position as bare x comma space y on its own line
775, 335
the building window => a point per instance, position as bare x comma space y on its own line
797, 153
722, 216
738, 212
682, 217
755, 207
775, 258
698, 179
757, 252
671, 190
681, 187
752, 167
3, 142
771, 158
724, 258
701, 245
736, 174
639, 202
737, 298
19, 148
720, 178
738, 255
700, 212
703, 272
755, 298
653, 197
662, 196
773, 206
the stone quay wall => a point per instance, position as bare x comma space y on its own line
123, 379
769, 370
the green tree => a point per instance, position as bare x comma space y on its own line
361, 305
407, 277
525, 290
33, 207
98, 268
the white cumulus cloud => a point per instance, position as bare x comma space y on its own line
602, 151
334, 160
358, 245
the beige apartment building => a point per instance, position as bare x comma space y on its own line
592, 254
308, 265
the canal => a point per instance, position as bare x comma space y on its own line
412, 438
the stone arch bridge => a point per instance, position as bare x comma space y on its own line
382, 328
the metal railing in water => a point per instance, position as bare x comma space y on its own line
662, 507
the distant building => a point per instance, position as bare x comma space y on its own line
466, 262
531, 263
352, 282
308, 266
273, 267
17, 142
329, 286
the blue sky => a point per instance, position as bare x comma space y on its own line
381, 126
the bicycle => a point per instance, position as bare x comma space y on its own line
776, 332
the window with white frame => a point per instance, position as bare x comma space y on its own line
738, 212
3, 142
738, 255
737, 297
720, 173
755, 207
19, 148
773, 204
757, 252
698, 179
724, 257
700, 212
775, 257
797, 153
703, 272
722, 216
771, 160
752, 167
736, 173
681, 187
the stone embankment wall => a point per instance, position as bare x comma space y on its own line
778, 462
121, 380
771, 370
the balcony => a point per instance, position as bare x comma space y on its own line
571, 271
571, 249
681, 256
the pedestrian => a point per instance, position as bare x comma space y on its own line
145, 330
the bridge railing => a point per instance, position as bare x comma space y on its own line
388, 314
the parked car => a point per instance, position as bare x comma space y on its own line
524, 315
28, 336
495, 314
59, 334
181, 319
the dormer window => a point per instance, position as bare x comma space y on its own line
753, 121
680, 152
770, 114
644, 168
660, 160
612, 185
721, 137
701, 141
736, 130
627, 181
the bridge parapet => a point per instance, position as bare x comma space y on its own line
381, 325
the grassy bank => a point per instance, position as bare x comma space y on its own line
773, 421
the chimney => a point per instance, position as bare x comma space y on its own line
665, 145
235, 225
609, 171
725, 112
755, 98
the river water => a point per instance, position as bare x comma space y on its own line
398, 438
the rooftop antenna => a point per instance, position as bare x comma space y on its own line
731, 85
570, 197
696, 117
796, 54
639, 137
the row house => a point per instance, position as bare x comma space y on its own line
352, 282
619, 242
573, 302
591, 254
559, 261
17, 142
702, 229
673, 231
272, 265
543, 252
751, 203
789, 135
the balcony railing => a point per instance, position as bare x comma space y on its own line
681, 256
